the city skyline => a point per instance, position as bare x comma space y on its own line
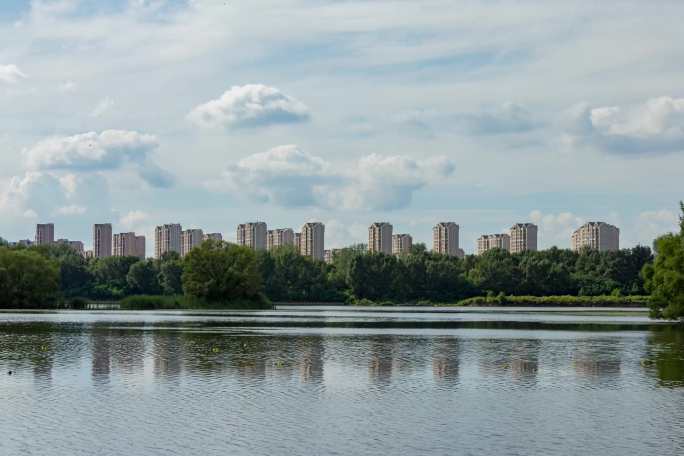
424, 114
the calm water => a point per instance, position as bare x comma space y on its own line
325, 382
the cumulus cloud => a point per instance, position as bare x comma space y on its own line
71, 210
556, 229
11, 74
133, 219
252, 105
652, 224
656, 126
288, 176
504, 119
109, 150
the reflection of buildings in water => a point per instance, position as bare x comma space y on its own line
445, 359
42, 359
587, 367
249, 357
381, 359
311, 359
524, 368
100, 348
128, 350
596, 358
167, 353
520, 357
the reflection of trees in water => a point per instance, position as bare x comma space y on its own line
666, 356
311, 354
127, 349
445, 359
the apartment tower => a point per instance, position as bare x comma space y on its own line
523, 237
313, 240
599, 236
167, 238
279, 238
445, 239
190, 239
45, 233
493, 241
252, 235
102, 240
401, 244
218, 237
380, 238
129, 245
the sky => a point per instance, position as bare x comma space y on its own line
211, 113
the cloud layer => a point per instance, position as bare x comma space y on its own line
290, 177
252, 105
653, 127
11, 74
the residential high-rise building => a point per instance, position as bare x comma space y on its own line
102, 240
77, 246
129, 245
313, 240
445, 238
213, 237
190, 239
493, 241
328, 256
45, 233
279, 238
599, 236
252, 235
523, 237
167, 238
297, 242
401, 244
380, 238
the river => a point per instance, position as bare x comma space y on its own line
335, 381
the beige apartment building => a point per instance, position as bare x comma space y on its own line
77, 246
102, 240
312, 241
167, 238
129, 245
445, 239
493, 241
45, 233
279, 238
523, 237
218, 237
190, 239
297, 242
401, 244
599, 236
380, 238
252, 235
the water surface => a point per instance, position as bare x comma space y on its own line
329, 381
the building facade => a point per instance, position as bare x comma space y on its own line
599, 236
279, 238
45, 233
401, 244
77, 246
445, 238
312, 242
523, 237
298, 242
493, 241
167, 238
190, 239
218, 237
380, 238
252, 235
129, 245
102, 240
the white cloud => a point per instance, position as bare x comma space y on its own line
102, 107
67, 87
652, 224
655, 126
556, 229
133, 219
252, 105
11, 74
287, 176
109, 150
71, 210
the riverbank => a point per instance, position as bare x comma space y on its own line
523, 301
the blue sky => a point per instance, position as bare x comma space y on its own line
213, 113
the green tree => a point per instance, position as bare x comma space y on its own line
76, 278
222, 272
665, 277
171, 273
143, 278
110, 276
496, 271
27, 279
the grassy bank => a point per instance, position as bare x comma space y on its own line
144, 302
557, 301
